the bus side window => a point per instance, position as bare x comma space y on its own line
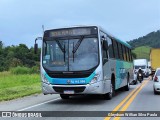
130, 54
105, 54
127, 56
110, 50
120, 51
104, 43
115, 49
124, 53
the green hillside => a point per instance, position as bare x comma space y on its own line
152, 40
142, 52
142, 45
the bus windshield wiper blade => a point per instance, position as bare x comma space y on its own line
62, 49
60, 46
76, 46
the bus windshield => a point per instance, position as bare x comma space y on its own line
70, 54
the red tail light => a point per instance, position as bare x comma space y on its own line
156, 79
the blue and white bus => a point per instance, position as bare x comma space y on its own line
84, 60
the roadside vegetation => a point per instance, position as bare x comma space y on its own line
19, 71
18, 84
151, 40
142, 52
20, 55
142, 45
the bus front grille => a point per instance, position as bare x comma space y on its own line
62, 89
68, 75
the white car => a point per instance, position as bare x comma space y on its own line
156, 80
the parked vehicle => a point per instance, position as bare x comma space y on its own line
155, 59
156, 80
143, 64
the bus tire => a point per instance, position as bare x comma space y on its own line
108, 96
63, 96
127, 87
113, 84
135, 83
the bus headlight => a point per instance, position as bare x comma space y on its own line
44, 79
95, 79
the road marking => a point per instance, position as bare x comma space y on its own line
38, 104
127, 98
122, 102
131, 100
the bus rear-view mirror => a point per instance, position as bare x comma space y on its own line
35, 48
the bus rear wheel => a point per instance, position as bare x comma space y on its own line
135, 82
127, 87
63, 96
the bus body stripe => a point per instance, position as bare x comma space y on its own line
72, 80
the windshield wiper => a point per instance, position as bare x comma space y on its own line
62, 49
77, 45
75, 48
60, 46
64, 53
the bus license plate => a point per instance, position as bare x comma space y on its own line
68, 91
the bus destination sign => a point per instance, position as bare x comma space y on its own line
70, 32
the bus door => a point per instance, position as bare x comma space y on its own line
105, 59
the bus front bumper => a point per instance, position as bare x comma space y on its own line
95, 88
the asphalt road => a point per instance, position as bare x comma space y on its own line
139, 98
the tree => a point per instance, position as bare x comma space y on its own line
21, 55
1, 44
134, 55
15, 62
1, 57
152, 40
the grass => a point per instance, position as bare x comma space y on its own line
20, 70
14, 86
142, 52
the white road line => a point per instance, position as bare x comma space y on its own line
38, 104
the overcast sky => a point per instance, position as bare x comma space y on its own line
21, 20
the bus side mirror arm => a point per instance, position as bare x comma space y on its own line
36, 45
104, 42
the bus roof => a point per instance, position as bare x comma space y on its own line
118, 40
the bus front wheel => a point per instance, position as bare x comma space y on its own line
63, 96
108, 96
